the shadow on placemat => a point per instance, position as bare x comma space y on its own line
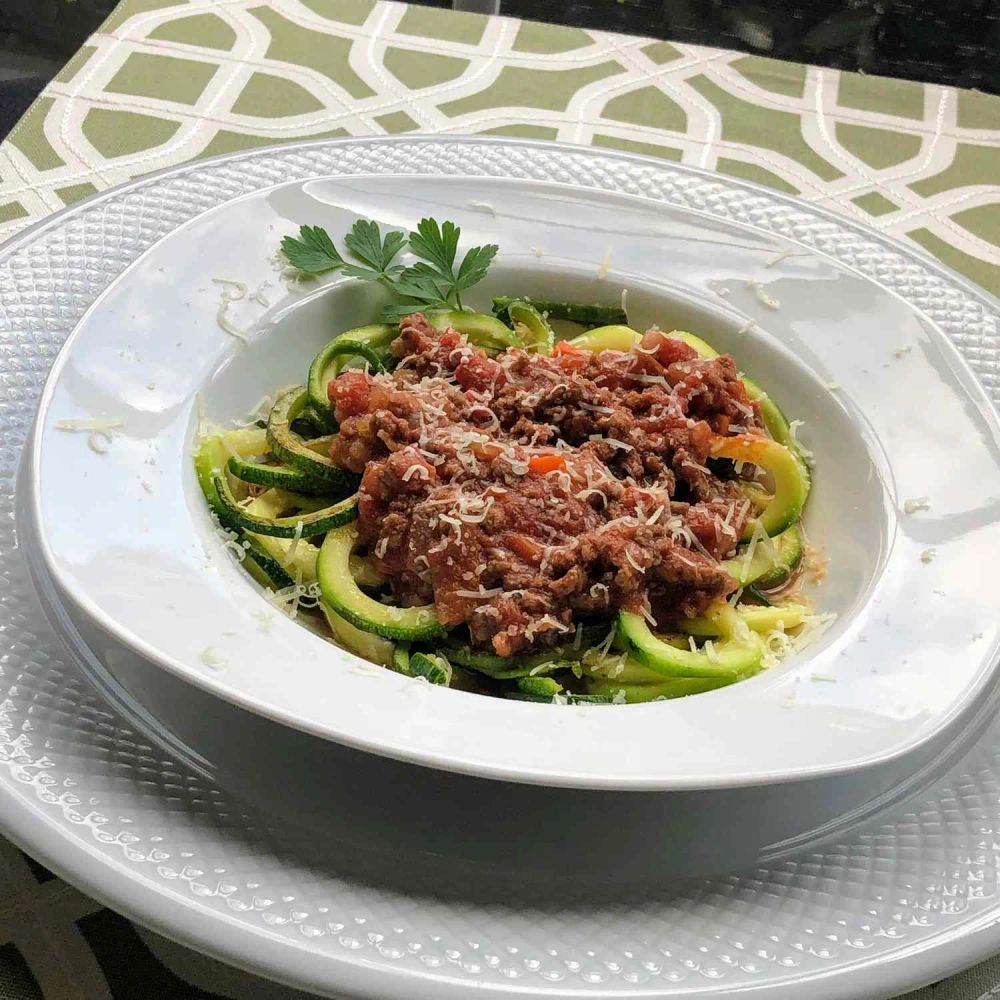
15, 98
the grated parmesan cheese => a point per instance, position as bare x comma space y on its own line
293, 548
928, 555
212, 659
239, 288
915, 504
265, 619
605, 266
87, 425
199, 402
482, 593
99, 442
635, 565
793, 426
98, 437
224, 323
778, 258
762, 297
413, 470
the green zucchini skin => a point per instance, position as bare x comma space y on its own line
316, 523
431, 666
566, 656
368, 342
265, 570
791, 477
289, 448
401, 659
616, 337
209, 460
263, 567
545, 687
760, 619
636, 694
546, 699
584, 313
481, 330
532, 327
276, 476
342, 594
369, 647
766, 569
734, 660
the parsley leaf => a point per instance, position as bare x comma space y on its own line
313, 252
364, 242
400, 310
437, 245
420, 282
474, 266
431, 283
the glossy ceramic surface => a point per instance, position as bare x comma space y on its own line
479, 825
890, 411
910, 898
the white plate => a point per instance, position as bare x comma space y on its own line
911, 900
914, 643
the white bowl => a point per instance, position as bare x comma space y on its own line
126, 536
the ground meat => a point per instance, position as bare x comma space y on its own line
526, 494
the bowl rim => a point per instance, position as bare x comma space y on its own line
541, 775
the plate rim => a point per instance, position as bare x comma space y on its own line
27, 823
177, 169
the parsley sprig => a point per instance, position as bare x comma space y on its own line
435, 281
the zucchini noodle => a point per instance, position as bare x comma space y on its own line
294, 502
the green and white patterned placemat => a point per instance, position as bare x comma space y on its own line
166, 81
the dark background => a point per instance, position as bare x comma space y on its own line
940, 41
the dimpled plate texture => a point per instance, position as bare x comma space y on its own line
900, 902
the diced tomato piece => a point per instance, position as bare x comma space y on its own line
546, 463
349, 394
700, 440
407, 471
480, 373
571, 358
668, 349
484, 450
525, 547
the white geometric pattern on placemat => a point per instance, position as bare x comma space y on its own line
693, 103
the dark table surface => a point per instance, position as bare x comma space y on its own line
940, 41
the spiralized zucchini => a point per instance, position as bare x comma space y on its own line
288, 511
